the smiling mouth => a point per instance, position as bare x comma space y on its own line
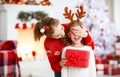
77, 37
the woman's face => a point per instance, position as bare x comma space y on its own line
58, 32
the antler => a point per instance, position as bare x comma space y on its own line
68, 14
81, 13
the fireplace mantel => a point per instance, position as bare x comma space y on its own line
8, 18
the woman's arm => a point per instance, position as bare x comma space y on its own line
54, 62
88, 41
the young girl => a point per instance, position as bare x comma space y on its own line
77, 43
54, 41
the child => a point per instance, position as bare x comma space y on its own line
54, 41
77, 43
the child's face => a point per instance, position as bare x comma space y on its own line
76, 39
58, 32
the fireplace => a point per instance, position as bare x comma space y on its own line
27, 48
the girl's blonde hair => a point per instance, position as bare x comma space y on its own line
47, 26
74, 23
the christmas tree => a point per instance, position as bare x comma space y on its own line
98, 23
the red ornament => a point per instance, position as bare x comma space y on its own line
45, 2
24, 26
32, 25
17, 26
33, 54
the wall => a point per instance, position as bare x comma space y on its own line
117, 15
114, 10
9, 12
8, 17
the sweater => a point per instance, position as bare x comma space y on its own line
54, 48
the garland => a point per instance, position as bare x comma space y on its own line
27, 16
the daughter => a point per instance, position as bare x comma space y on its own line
77, 43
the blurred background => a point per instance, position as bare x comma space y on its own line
17, 19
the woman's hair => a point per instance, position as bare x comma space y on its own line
45, 27
73, 24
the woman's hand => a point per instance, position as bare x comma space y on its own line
62, 62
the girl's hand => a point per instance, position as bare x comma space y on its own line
62, 62
78, 31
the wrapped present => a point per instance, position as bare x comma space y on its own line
117, 48
99, 59
111, 57
9, 65
110, 69
100, 69
77, 58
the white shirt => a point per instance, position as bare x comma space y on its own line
76, 71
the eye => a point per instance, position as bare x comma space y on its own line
62, 28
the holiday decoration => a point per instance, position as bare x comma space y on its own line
117, 45
24, 25
27, 2
100, 69
118, 38
45, 2
12, 2
39, 15
110, 69
24, 16
33, 54
110, 57
17, 26
27, 16
31, 2
32, 25
77, 58
99, 26
99, 64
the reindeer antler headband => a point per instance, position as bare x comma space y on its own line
79, 14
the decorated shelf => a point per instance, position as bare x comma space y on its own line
9, 18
